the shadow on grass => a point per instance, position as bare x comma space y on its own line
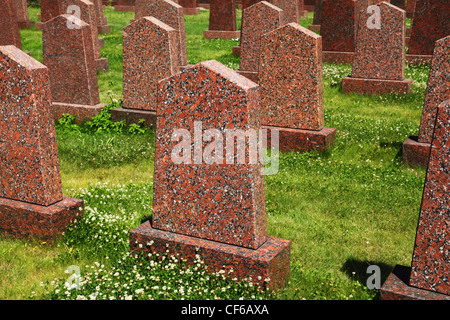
358, 270
396, 145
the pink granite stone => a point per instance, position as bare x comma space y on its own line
290, 78
9, 34
430, 263
438, 88
88, 15
257, 20
430, 266
379, 62
68, 53
28, 151
222, 20
23, 18
189, 7
233, 210
215, 210
125, 5
148, 56
430, 23
338, 30
290, 9
102, 21
169, 13
291, 88
50, 9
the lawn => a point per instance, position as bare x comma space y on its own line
352, 206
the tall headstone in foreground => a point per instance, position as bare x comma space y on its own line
428, 276
31, 199
148, 56
171, 14
338, 30
68, 54
291, 88
429, 24
215, 209
257, 20
189, 7
379, 62
222, 20
9, 29
88, 15
23, 18
124, 5
416, 150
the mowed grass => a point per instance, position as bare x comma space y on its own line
344, 209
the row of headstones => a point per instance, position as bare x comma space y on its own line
429, 24
208, 85
228, 228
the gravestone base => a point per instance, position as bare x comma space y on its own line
338, 57
415, 59
191, 11
26, 24
104, 29
218, 34
237, 51
396, 287
124, 8
271, 260
415, 153
102, 64
376, 86
302, 140
314, 27
132, 116
83, 112
251, 75
25, 220
39, 25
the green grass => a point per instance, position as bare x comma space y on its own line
344, 209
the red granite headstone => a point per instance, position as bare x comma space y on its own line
222, 20
338, 30
213, 209
430, 23
379, 62
31, 199
410, 6
291, 88
148, 56
68, 53
430, 267
85, 10
317, 18
23, 18
9, 29
189, 6
257, 20
248, 3
290, 9
416, 150
102, 21
169, 13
